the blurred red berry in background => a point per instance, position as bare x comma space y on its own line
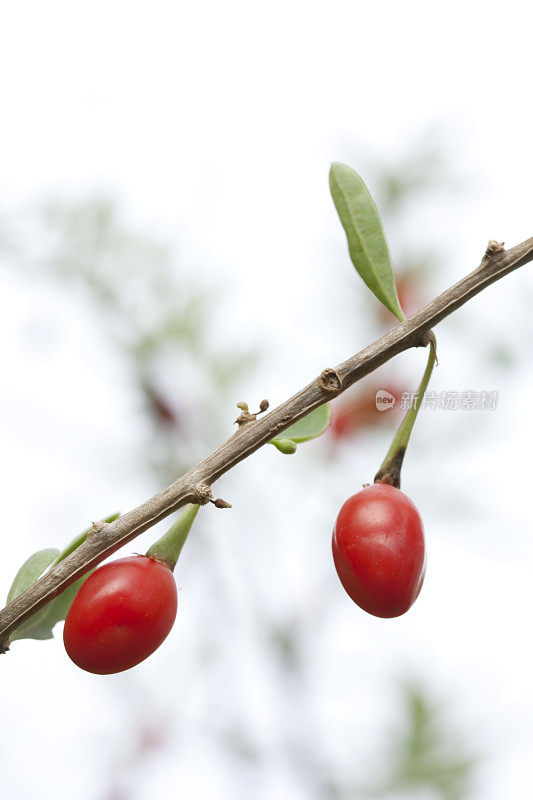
355, 412
408, 286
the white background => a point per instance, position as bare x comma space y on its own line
214, 124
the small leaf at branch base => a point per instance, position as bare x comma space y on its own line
367, 244
309, 427
32, 569
41, 624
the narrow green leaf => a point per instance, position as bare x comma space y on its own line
30, 571
309, 427
367, 244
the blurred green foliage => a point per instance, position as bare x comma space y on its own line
158, 317
426, 756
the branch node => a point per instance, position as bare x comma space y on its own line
202, 494
429, 338
494, 249
97, 527
329, 380
247, 416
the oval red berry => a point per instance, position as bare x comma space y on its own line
121, 614
379, 550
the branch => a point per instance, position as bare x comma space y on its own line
194, 486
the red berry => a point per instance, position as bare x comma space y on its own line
121, 614
379, 551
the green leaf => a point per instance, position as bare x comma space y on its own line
367, 244
309, 427
41, 624
32, 569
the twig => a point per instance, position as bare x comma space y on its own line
194, 486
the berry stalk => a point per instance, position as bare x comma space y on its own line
390, 469
168, 548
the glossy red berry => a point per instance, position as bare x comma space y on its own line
121, 614
379, 550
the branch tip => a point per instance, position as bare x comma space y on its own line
219, 503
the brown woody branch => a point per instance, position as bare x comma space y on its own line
195, 485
